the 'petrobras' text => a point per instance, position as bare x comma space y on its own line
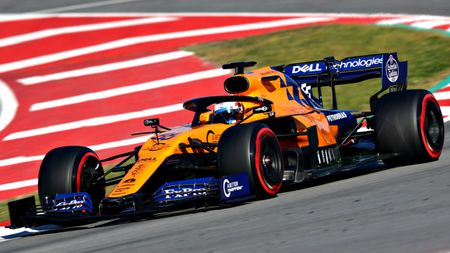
336, 116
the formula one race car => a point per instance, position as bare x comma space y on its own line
271, 130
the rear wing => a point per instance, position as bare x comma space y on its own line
353, 69
331, 72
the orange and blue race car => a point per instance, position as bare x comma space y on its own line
271, 130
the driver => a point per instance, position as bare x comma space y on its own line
228, 112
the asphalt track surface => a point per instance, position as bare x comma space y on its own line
436, 7
405, 209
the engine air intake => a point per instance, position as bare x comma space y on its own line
236, 84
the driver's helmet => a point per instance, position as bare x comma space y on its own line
228, 112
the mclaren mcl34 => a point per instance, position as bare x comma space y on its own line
271, 130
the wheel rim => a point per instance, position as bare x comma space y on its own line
268, 161
433, 129
270, 167
88, 172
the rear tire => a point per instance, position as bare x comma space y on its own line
252, 148
409, 123
71, 169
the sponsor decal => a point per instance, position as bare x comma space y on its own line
212, 137
137, 170
184, 192
306, 89
72, 202
119, 190
130, 180
361, 62
149, 159
313, 67
157, 146
234, 186
392, 69
185, 189
262, 109
336, 116
229, 187
151, 122
164, 137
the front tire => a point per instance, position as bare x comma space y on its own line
252, 148
71, 169
409, 124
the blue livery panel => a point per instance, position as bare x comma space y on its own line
394, 72
228, 187
185, 189
351, 69
234, 187
77, 202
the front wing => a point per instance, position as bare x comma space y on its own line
73, 209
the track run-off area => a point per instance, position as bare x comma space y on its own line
91, 79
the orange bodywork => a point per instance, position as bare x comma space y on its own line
153, 154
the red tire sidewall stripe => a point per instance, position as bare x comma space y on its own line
275, 188
431, 152
80, 168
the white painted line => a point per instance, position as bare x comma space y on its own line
7, 234
431, 24
211, 14
97, 147
20, 184
445, 110
129, 89
20, 159
19, 17
80, 28
105, 68
84, 6
27, 16
14, 17
121, 143
8, 105
21, 64
403, 20
442, 95
97, 121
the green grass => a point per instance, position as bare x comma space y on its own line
4, 213
427, 52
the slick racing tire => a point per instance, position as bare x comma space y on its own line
71, 169
252, 148
409, 124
